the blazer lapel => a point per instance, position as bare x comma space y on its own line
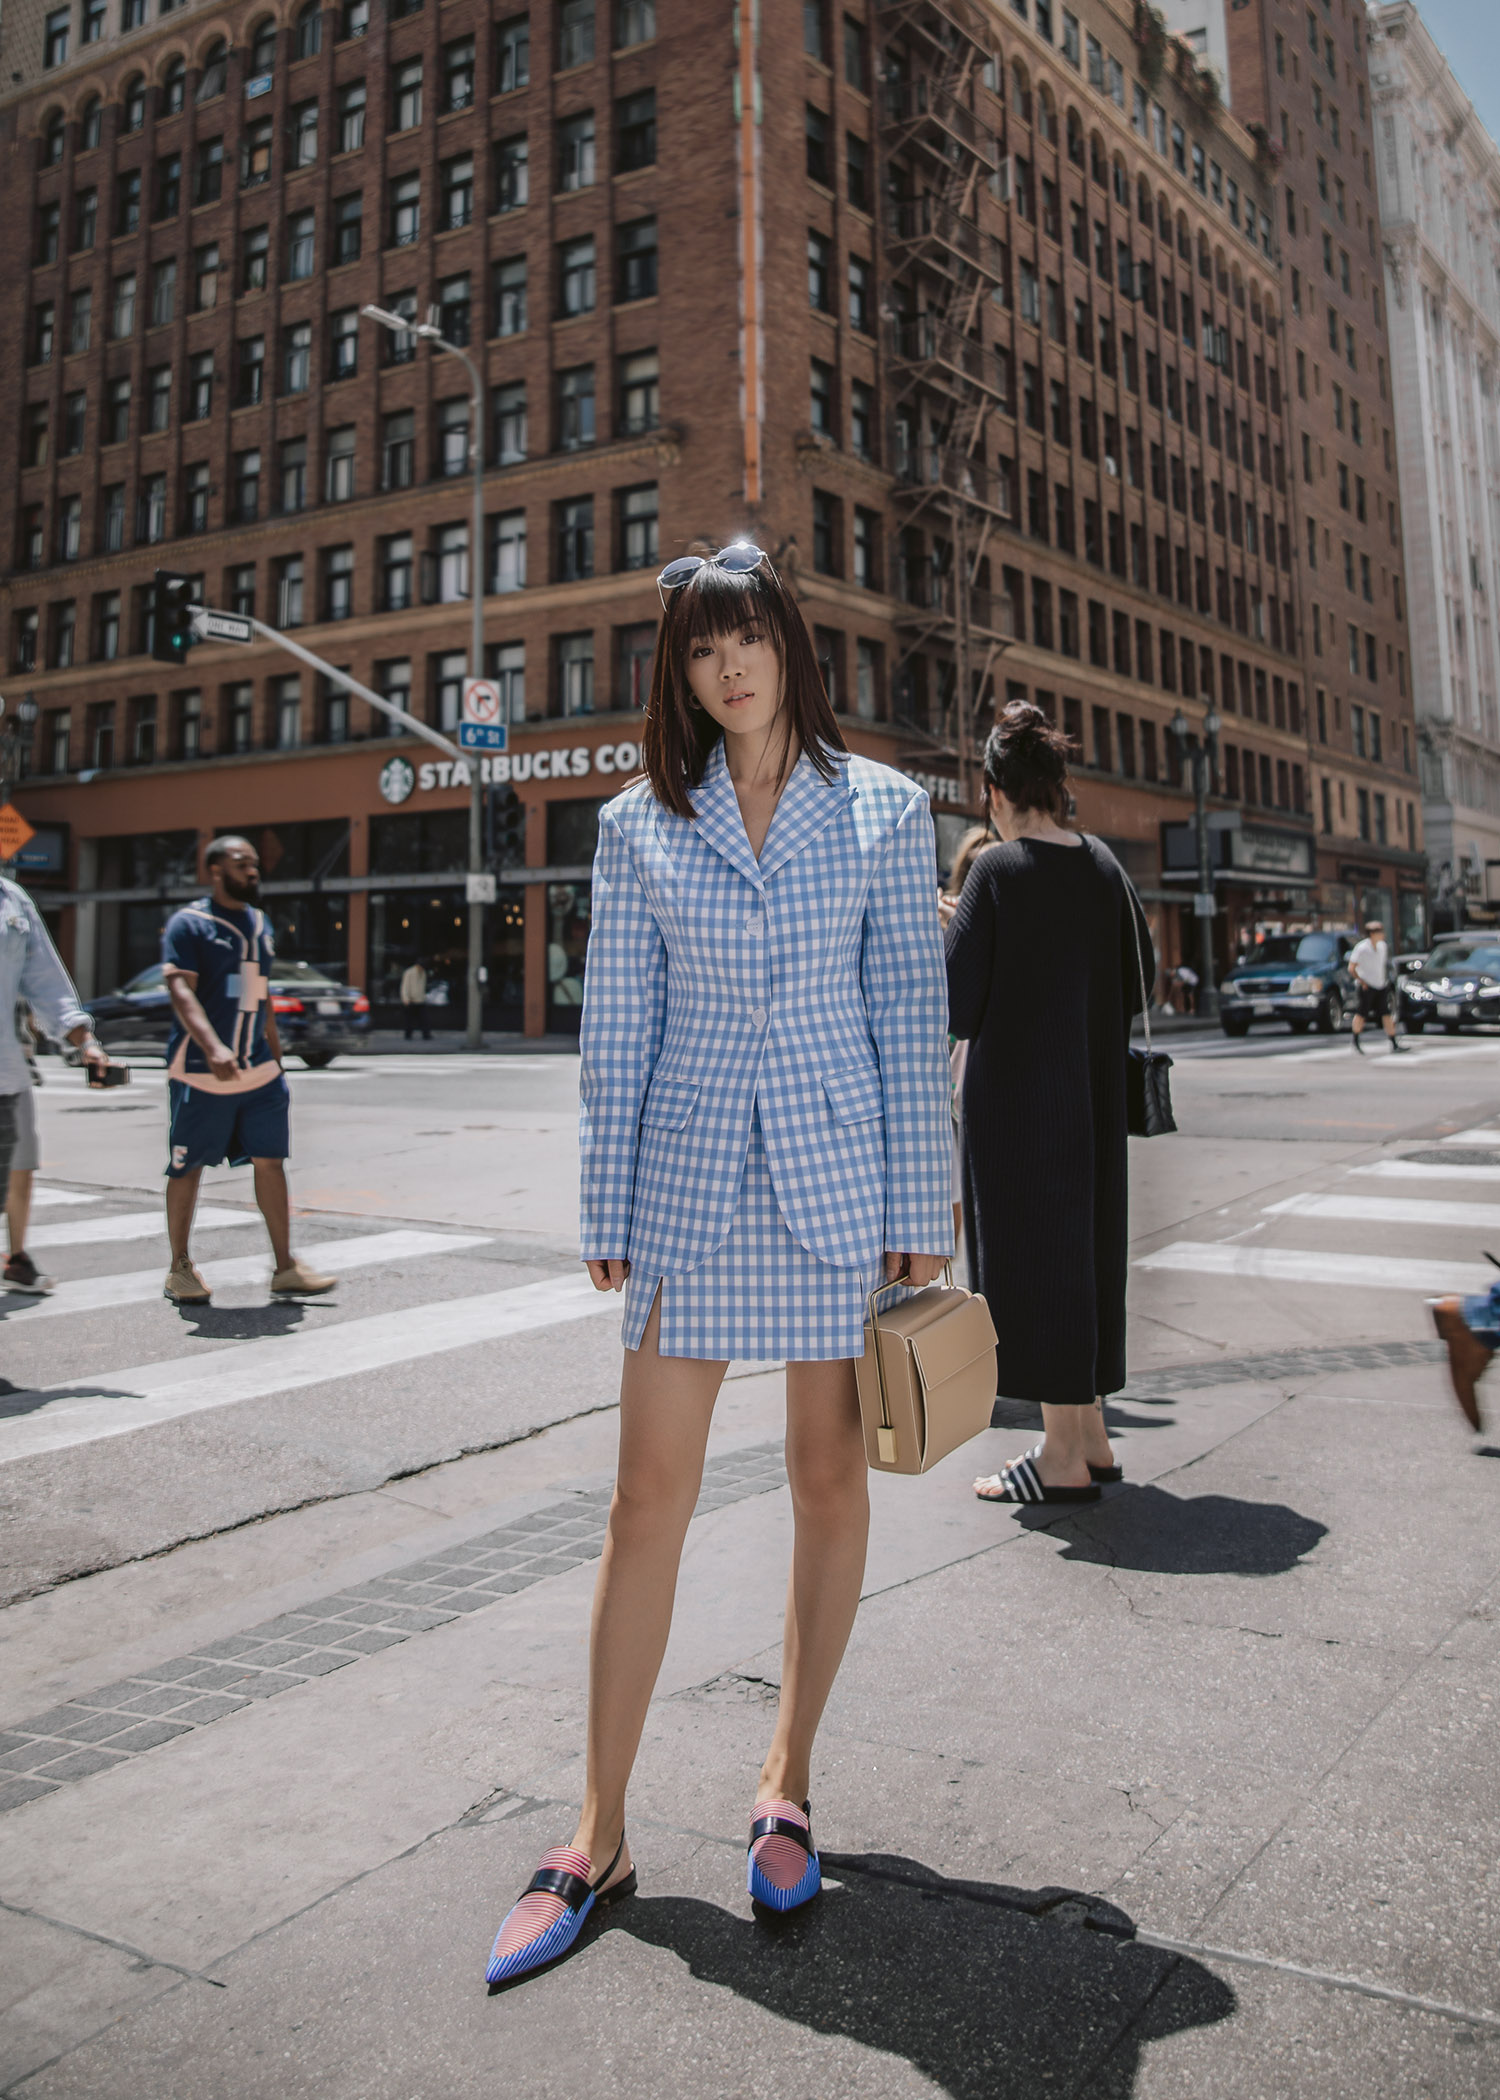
717, 818
808, 805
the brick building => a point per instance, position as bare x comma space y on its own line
1300, 74
1016, 422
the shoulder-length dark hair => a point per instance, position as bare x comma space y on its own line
679, 735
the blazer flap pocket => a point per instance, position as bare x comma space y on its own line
670, 1102
854, 1095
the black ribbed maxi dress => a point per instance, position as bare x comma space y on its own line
1043, 980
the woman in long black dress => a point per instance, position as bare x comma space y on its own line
1043, 980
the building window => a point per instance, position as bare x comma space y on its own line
456, 192
143, 731
575, 408
574, 658
352, 116
293, 474
862, 419
857, 171
400, 345
406, 210
113, 536
635, 131
508, 552
635, 647
452, 563
296, 358
58, 735
215, 68
127, 206
512, 54
866, 544
133, 101
820, 397
639, 402
861, 296
393, 681
508, 418
454, 309
338, 583
575, 539
575, 33
74, 422
348, 228
453, 436
825, 533
398, 450
406, 96
151, 519
575, 151
246, 486
195, 493
286, 704
288, 574
635, 260
48, 233
448, 673
339, 471
343, 344
511, 174
70, 528
208, 171
256, 142
508, 285
300, 245
24, 652
255, 256
56, 29
816, 128
304, 134
458, 74
576, 277
638, 527
635, 22
239, 589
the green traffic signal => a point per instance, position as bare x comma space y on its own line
171, 616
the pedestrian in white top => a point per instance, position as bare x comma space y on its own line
1370, 967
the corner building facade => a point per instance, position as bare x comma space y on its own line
1017, 422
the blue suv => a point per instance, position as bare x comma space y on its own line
1300, 978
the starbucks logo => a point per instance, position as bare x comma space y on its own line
397, 779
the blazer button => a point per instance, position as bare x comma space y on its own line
755, 923
758, 1016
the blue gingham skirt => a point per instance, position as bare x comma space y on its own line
761, 1296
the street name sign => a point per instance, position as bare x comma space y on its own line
482, 720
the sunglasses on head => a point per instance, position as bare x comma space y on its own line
739, 558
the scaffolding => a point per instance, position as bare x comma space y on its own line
942, 383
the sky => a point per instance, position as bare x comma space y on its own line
1465, 32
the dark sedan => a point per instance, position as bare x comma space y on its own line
1457, 985
1300, 978
316, 1016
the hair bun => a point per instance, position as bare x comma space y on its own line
1026, 758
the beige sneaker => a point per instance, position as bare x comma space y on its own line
297, 1280
184, 1286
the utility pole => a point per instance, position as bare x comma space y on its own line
962, 692
428, 332
1203, 757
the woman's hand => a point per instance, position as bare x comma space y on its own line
947, 906
608, 1275
921, 1269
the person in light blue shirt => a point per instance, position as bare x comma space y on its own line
30, 969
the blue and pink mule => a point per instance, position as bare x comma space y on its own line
783, 1871
545, 1923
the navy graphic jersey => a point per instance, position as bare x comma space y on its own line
231, 953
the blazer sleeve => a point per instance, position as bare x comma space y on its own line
906, 999
971, 955
624, 1010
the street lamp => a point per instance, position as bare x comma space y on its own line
429, 332
1201, 757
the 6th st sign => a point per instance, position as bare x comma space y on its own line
482, 723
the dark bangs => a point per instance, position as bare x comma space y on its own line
679, 735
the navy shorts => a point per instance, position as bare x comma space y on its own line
206, 1129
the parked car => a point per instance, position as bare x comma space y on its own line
316, 1016
1458, 983
1300, 978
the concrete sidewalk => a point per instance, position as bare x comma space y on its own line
1191, 1793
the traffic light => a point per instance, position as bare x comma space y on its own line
171, 621
507, 828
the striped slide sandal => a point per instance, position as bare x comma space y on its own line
545, 1923
783, 1871
1021, 1482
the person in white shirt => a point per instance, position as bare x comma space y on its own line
1370, 967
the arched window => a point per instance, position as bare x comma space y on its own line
1121, 183
1205, 261
1239, 291
1221, 275
92, 126
133, 104
1255, 312
215, 67
1163, 219
1098, 165
1184, 239
1143, 200
174, 87
309, 32
1020, 92
1075, 138
263, 49
54, 138
1046, 114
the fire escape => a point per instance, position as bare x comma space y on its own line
942, 383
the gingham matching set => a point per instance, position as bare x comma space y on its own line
764, 1077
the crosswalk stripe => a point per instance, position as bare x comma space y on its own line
1414, 1170
49, 1199
1388, 1210
1473, 1137
1304, 1265
131, 1225
115, 1402
139, 1286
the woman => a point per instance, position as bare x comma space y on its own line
973, 843
765, 1115
1043, 980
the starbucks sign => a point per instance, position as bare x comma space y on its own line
397, 779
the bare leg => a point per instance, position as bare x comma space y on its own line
275, 1207
825, 1463
18, 1206
666, 1405
182, 1201
1097, 1450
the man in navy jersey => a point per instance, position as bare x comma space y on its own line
228, 1093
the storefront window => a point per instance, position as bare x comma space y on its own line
573, 832
431, 925
569, 912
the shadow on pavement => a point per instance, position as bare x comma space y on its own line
1164, 1534
993, 1993
240, 1323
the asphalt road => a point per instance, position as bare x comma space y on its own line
295, 1605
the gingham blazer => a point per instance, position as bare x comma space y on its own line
810, 982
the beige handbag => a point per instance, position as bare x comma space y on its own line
927, 1377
